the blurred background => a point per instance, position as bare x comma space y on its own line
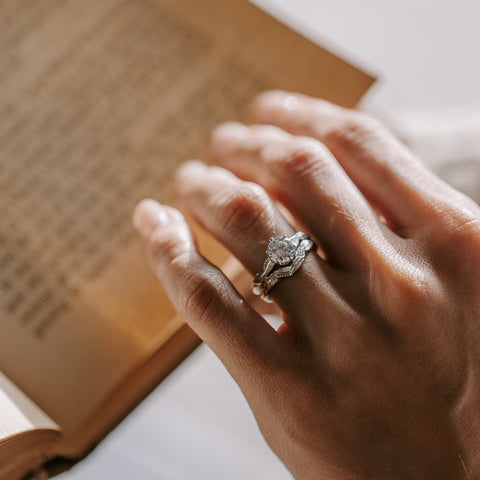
196, 424
425, 52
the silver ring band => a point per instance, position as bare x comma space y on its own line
285, 256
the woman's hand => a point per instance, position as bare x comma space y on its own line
375, 373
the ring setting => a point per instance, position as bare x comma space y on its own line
285, 255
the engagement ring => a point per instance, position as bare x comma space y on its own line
285, 256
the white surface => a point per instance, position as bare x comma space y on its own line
196, 425
426, 52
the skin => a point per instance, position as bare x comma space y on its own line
375, 372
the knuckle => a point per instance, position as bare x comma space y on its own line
456, 253
402, 287
460, 226
412, 301
301, 160
461, 221
167, 246
413, 288
356, 130
201, 295
197, 285
244, 208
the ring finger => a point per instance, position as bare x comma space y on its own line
243, 217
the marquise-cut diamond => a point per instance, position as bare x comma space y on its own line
281, 250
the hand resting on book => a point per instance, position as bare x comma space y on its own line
375, 372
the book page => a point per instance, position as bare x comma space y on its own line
99, 102
18, 413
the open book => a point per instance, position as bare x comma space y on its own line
99, 102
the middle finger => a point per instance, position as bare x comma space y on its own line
302, 174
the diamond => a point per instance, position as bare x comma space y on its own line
281, 250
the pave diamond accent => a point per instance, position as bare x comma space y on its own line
281, 250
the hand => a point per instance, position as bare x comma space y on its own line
375, 373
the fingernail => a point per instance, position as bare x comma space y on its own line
226, 137
191, 167
187, 173
231, 129
147, 216
276, 99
